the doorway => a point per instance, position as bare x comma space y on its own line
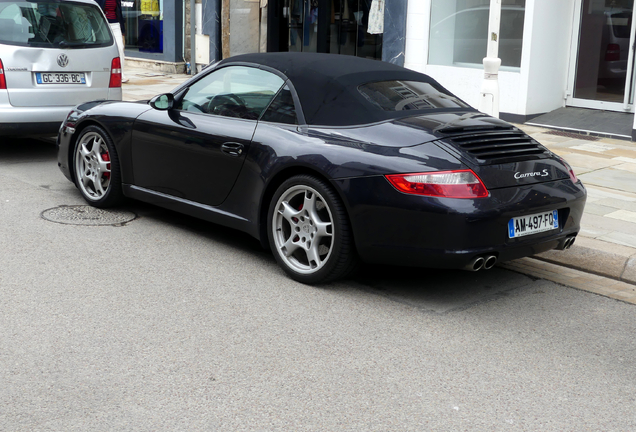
325, 26
601, 67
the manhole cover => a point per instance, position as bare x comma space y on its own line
87, 215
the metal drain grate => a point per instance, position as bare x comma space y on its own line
87, 215
573, 135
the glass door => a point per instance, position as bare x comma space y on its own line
601, 71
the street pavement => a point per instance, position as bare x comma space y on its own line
603, 258
170, 323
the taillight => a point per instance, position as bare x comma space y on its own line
445, 184
115, 73
570, 170
613, 52
3, 80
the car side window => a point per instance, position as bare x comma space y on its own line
282, 109
233, 91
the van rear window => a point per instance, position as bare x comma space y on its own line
59, 24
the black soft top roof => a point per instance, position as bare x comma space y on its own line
327, 84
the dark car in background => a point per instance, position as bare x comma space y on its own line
615, 47
329, 159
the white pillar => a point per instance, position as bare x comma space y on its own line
489, 101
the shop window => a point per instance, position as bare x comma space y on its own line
144, 25
459, 32
335, 26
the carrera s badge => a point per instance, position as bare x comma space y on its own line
543, 173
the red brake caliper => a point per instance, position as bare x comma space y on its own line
106, 158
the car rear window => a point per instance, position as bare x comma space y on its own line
621, 24
53, 24
409, 95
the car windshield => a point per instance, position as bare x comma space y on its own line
409, 95
52, 24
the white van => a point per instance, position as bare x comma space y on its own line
54, 54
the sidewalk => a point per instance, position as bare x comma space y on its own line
606, 246
603, 258
144, 84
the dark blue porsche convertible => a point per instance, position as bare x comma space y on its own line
329, 160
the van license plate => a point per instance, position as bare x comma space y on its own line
60, 78
536, 223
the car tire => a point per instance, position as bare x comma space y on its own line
309, 231
96, 168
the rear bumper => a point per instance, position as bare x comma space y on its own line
29, 129
19, 121
36, 120
63, 155
449, 233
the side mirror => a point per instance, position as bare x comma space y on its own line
162, 102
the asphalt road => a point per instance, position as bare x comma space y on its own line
168, 323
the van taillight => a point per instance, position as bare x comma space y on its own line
613, 52
3, 80
115, 73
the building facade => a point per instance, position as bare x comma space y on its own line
555, 53
565, 53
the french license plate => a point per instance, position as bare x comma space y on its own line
60, 78
536, 223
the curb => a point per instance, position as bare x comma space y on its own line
597, 257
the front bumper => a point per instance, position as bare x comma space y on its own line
63, 152
394, 228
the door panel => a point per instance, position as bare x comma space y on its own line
186, 155
196, 149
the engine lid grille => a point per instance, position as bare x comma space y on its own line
489, 145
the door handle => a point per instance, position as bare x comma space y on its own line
233, 149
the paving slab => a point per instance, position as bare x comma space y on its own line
606, 245
611, 178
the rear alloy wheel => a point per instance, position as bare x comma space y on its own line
97, 174
309, 231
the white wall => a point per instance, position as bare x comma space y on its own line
417, 28
540, 83
550, 26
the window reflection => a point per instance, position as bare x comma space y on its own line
409, 95
459, 32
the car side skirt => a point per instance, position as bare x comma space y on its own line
191, 208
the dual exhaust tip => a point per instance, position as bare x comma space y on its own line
568, 242
487, 262
482, 262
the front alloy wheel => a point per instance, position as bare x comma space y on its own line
97, 168
309, 231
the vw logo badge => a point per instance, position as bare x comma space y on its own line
62, 60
